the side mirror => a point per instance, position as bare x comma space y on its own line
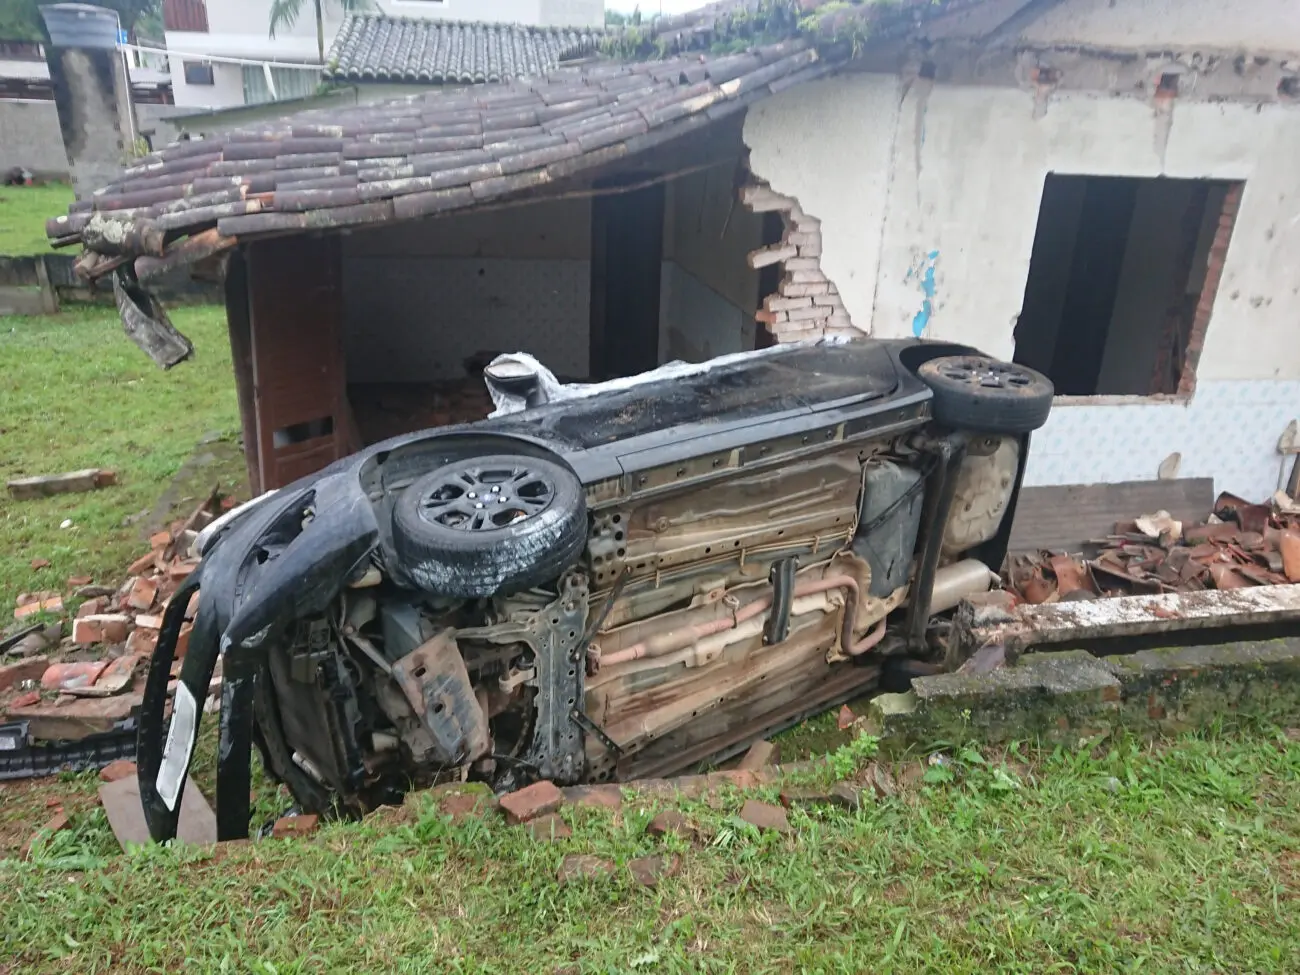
515, 379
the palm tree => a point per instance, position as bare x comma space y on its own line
284, 13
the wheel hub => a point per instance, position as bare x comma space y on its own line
485, 498
990, 375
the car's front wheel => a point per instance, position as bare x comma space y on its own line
490, 525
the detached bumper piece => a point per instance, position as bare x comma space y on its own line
24, 757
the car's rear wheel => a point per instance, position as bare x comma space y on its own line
975, 392
490, 525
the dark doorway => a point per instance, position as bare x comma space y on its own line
1122, 280
627, 231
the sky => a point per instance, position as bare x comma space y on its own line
653, 6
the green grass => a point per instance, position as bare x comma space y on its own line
1128, 858
23, 212
77, 393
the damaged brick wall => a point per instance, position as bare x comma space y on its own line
806, 303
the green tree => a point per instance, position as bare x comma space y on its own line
20, 20
284, 14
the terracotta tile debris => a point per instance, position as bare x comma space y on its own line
1238, 545
40, 563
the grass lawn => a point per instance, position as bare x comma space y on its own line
23, 212
1105, 859
77, 393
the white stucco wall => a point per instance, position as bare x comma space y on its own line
929, 198
1259, 25
830, 144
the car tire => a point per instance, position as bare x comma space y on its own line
490, 525
975, 392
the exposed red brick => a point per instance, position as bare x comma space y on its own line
76, 582
530, 802
183, 640
40, 563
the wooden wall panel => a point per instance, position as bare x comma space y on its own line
299, 378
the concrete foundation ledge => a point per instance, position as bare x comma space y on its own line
1069, 695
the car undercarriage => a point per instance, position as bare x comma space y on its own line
622, 584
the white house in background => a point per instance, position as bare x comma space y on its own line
199, 33
1107, 190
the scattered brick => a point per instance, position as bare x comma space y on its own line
760, 753
142, 595
602, 796
183, 640
881, 780
29, 604
648, 871
528, 803
549, 827
92, 607
846, 718
76, 582
143, 564
100, 628
57, 824
30, 669
765, 816
46, 485
671, 821
40, 563
160, 539
26, 700
583, 867
287, 826
149, 622
142, 640
463, 806
121, 769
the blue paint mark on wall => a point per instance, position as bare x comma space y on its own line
926, 273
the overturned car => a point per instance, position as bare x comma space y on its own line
616, 581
